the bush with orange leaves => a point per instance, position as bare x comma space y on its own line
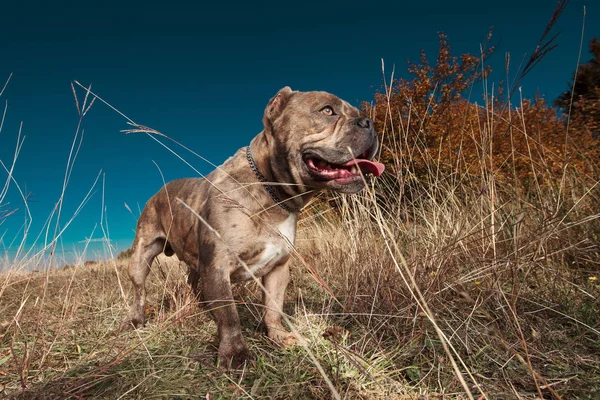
428, 126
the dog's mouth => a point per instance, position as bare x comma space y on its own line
348, 171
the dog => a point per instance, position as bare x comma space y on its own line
239, 222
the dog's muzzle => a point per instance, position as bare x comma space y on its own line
351, 159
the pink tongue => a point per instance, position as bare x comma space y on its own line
367, 167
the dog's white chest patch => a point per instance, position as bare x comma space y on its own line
288, 228
270, 255
279, 247
275, 250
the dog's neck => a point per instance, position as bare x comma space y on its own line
291, 192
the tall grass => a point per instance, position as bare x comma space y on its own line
507, 273
448, 284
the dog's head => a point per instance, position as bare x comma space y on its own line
321, 140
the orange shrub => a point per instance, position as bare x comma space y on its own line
428, 126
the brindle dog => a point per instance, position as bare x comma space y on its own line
239, 222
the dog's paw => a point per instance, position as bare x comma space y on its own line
285, 338
233, 355
130, 324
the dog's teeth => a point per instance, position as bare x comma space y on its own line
353, 169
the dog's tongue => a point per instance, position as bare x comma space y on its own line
367, 167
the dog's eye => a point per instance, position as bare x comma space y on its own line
327, 110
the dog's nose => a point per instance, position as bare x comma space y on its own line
364, 123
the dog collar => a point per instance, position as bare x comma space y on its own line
268, 187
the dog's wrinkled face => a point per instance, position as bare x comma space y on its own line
321, 140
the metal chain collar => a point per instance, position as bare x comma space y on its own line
268, 188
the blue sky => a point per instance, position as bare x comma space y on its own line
202, 74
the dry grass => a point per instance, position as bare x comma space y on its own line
445, 286
528, 314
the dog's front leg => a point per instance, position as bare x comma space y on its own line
216, 288
275, 283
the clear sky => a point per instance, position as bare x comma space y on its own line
202, 72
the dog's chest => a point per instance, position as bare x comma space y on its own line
275, 249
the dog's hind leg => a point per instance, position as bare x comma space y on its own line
144, 252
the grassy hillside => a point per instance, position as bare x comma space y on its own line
405, 294
456, 279
470, 270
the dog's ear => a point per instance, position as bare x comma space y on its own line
276, 106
